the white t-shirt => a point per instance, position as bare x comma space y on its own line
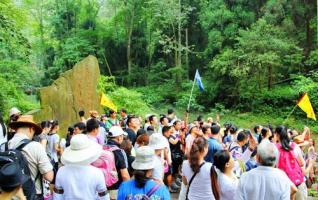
35, 154
52, 140
228, 186
201, 185
80, 183
157, 172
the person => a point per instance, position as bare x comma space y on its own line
142, 140
194, 132
257, 132
214, 145
239, 155
171, 115
77, 169
69, 135
116, 137
290, 153
53, 147
34, 152
157, 142
153, 122
112, 120
195, 170
266, 133
164, 121
265, 182
133, 126
142, 186
79, 128
224, 181
81, 114
101, 135
175, 142
124, 117
3, 130
14, 114
127, 147
92, 127
232, 136
173, 187
11, 181
42, 138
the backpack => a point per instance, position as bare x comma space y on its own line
15, 155
145, 196
106, 163
289, 164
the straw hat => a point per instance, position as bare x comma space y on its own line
82, 151
26, 120
157, 141
144, 158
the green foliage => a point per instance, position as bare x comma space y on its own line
123, 97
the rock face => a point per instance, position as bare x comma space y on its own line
74, 90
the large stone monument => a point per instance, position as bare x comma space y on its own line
74, 90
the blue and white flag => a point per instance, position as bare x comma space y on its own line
197, 78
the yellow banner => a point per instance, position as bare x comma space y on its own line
305, 105
105, 101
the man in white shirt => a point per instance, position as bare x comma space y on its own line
34, 152
77, 179
265, 182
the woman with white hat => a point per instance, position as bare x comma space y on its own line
157, 142
142, 186
78, 179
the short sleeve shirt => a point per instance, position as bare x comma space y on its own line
52, 140
129, 191
37, 158
80, 182
264, 183
120, 162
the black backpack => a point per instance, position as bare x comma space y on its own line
15, 155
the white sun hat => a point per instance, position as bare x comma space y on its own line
144, 158
157, 141
82, 151
14, 111
115, 131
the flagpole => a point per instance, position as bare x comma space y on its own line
290, 114
191, 95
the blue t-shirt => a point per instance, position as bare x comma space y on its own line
129, 191
214, 146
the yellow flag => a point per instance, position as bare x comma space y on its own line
105, 101
305, 105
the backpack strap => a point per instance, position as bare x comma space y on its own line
232, 148
153, 190
23, 143
192, 180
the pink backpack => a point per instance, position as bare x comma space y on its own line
106, 163
289, 164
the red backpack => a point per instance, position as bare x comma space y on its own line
106, 163
289, 164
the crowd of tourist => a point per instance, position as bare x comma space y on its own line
127, 157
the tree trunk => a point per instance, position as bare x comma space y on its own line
129, 26
270, 77
186, 54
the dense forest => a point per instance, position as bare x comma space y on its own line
253, 56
